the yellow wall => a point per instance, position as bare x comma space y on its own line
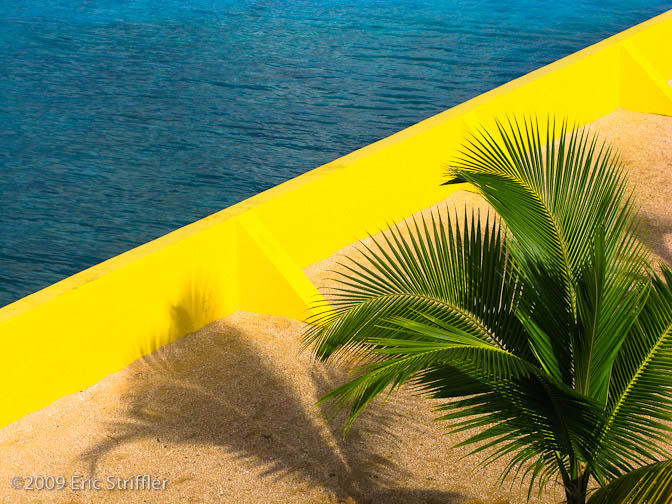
251, 256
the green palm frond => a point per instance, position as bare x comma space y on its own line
639, 409
651, 484
564, 198
412, 348
468, 285
459, 274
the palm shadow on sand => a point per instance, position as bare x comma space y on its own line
233, 397
659, 229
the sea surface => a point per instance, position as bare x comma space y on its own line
121, 120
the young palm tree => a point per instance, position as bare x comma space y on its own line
545, 329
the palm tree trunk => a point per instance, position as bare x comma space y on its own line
576, 489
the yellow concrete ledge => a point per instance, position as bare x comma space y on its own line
251, 256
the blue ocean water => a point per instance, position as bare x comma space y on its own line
121, 120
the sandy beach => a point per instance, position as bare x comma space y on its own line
227, 414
